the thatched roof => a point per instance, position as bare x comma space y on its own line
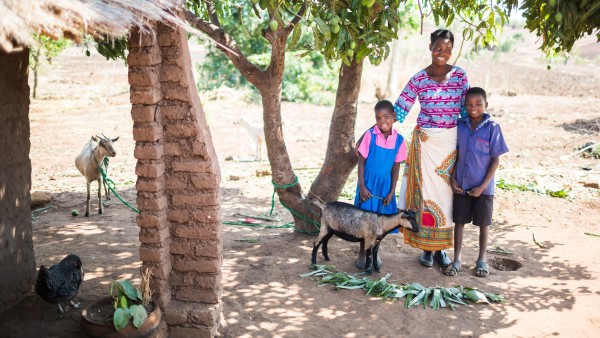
73, 19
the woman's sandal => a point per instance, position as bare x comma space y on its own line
482, 269
453, 269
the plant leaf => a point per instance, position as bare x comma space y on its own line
127, 288
476, 296
417, 300
139, 314
416, 286
120, 319
495, 298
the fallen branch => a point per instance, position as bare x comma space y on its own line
593, 145
264, 218
499, 250
538, 243
591, 234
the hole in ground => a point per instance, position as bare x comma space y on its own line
506, 264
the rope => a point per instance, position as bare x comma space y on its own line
277, 186
111, 185
315, 223
285, 186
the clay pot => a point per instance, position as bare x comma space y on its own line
96, 321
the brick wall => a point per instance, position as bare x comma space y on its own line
178, 184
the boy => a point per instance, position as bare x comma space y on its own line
480, 144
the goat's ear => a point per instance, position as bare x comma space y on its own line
94, 138
115, 139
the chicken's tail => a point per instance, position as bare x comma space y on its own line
41, 285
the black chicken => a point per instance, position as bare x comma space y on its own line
61, 282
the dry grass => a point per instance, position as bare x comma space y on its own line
73, 19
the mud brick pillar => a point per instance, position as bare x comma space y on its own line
178, 184
17, 261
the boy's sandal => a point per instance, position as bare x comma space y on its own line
453, 269
482, 269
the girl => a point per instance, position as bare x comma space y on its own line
379, 155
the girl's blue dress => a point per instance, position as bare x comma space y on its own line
378, 177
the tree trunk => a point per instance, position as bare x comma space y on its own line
36, 58
340, 158
392, 81
35, 81
281, 167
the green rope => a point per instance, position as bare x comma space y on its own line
284, 186
315, 223
277, 186
111, 185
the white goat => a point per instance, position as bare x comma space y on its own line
89, 161
257, 134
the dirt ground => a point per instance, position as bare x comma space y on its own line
545, 116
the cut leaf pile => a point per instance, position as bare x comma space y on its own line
415, 294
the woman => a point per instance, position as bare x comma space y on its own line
440, 89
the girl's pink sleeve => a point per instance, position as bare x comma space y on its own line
401, 156
363, 148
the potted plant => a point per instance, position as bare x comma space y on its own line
128, 312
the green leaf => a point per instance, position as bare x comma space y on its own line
476, 296
426, 298
450, 19
308, 274
408, 300
417, 300
139, 314
123, 302
495, 297
416, 286
350, 287
296, 35
323, 27
121, 319
128, 289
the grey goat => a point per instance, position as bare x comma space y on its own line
353, 224
89, 161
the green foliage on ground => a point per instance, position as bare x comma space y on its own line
529, 186
414, 294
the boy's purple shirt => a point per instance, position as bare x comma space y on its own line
476, 150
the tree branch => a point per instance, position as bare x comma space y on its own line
296, 18
212, 12
226, 43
